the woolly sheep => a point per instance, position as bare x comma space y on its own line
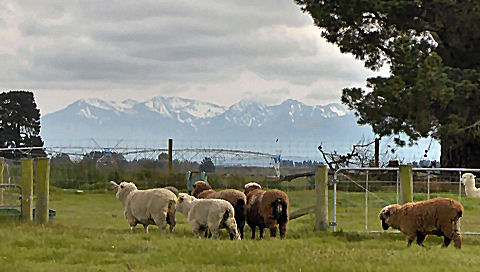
468, 179
147, 207
238, 200
437, 216
208, 213
266, 209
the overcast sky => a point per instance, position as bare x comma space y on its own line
215, 51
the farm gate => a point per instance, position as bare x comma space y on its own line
360, 193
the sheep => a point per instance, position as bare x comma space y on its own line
468, 179
437, 216
147, 207
208, 213
238, 200
266, 209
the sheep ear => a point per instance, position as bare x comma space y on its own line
114, 184
387, 212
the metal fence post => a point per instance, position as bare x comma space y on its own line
27, 189
406, 183
321, 193
42, 190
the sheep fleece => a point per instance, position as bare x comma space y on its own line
145, 205
435, 216
260, 211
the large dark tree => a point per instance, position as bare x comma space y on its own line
433, 50
19, 124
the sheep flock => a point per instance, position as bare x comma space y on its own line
206, 209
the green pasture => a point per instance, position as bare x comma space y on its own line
89, 233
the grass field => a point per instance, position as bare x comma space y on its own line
90, 233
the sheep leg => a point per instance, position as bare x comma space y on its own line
171, 221
273, 231
253, 231
145, 227
261, 232
196, 229
161, 222
214, 231
420, 239
446, 241
410, 239
197, 232
133, 223
241, 231
283, 230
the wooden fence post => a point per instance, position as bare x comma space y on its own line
2, 161
406, 183
321, 194
27, 189
42, 188
170, 156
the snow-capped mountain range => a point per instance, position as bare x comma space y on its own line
174, 117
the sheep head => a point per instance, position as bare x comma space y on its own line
184, 203
386, 213
251, 186
468, 179
123, 189
199, 187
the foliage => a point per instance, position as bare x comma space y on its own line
432, 50
19, 124
207, 165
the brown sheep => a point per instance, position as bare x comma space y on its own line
437, 216
266, 209
238, 200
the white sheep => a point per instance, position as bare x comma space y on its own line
208, 213
147, 207
468, 180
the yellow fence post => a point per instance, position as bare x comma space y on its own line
321, 194
42, 188
27, 189
406, 183
2, 161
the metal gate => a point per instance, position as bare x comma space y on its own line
439, 175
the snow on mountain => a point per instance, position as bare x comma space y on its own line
175, 106
247, 113
162, 117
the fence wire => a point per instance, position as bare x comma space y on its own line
360, 194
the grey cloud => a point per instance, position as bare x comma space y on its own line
306, 70
126, 44
324, 94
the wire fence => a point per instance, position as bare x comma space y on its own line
360, 194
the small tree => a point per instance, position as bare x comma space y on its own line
19, 124
207, 165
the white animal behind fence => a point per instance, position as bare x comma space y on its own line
468, 179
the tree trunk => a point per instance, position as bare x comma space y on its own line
458, 152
